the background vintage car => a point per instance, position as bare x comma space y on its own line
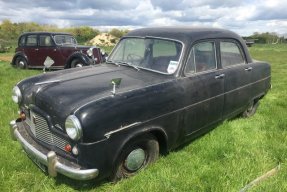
60, 50
160, 88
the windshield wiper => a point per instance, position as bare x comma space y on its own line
112, 62
128, 64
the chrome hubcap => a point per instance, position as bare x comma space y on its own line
21, 63
135, 160
79, 65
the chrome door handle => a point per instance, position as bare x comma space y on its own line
248, 69
219, 76
37, 49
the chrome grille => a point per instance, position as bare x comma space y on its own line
43, 133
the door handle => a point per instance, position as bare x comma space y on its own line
219, 76
248, 69
37, 49
54, 49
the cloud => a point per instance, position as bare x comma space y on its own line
244, 17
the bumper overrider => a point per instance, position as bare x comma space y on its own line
55, 164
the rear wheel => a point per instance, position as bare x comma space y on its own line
77, 63
251, 110
21, 62
136, 155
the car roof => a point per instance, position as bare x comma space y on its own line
45, 32
184, 34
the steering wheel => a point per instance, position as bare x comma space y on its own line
134, 57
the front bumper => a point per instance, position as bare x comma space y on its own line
53, 162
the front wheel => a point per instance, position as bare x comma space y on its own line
136, 155
77, 63
251, 109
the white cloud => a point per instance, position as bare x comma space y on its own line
243, 17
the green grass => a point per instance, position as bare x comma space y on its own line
226, 159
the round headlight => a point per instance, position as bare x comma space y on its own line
90, 52
73, 127
16, 94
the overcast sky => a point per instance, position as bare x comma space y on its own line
241, 16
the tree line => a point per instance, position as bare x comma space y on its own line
9, 32
266, 38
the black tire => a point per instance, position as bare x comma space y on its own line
21, 62
77, 63
251, 109
146, 143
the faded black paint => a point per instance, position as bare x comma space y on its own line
178, 107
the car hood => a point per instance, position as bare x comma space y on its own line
60, 93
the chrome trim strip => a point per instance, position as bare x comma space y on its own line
51, 160
46, 82
107, 135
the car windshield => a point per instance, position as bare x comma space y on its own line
154, 54
65, 39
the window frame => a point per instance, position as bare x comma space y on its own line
160, 38
214, 41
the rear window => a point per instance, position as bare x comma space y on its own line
31, 40
230, 54
22, 41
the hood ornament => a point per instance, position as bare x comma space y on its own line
48, 63
116, 83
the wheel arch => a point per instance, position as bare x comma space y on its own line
19, 54
76, 55
157, 132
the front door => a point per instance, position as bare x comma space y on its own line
47, 48
204, 88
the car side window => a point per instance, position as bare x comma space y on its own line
31, 40
45, 40
230, 54
22, 41
202, 57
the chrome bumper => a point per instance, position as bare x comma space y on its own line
51, 160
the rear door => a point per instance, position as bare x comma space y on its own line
31, 49
204, 88
237, 77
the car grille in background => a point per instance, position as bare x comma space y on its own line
43, 133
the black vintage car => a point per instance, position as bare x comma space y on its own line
159, 88
54, 50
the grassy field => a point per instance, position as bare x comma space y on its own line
226, 159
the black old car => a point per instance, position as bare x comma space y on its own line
54, 50
159, 88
